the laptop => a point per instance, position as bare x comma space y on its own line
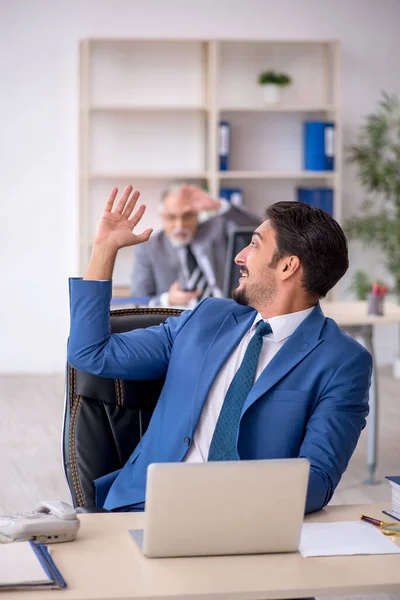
223, 507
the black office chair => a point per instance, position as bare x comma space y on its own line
104, 419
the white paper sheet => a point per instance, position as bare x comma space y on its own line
19, 564
344, 538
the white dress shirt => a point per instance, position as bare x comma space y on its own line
282, 328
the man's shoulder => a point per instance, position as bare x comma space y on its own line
215, 224
341, 341
221, 307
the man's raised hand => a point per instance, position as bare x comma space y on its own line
115, 228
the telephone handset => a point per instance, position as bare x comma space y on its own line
51, 522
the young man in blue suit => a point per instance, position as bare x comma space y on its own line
265, 375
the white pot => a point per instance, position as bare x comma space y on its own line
272, 93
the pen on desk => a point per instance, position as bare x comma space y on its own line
372, 521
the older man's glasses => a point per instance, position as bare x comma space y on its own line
186, 217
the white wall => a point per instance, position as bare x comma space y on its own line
38, 147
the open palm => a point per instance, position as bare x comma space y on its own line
115, 228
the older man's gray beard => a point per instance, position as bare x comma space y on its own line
183, 241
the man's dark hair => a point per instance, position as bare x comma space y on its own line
316, 238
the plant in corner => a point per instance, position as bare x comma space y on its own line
272, 82
377, 157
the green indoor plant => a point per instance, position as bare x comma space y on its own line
272, 82
361, 284
377, 157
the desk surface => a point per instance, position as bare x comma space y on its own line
355, 313
105, 563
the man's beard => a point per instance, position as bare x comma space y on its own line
187, 236
239, 295
255, 295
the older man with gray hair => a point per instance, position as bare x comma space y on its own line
185, 262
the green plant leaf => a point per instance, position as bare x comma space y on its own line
377, 158
273, 77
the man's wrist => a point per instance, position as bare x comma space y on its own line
101, 264
105, 249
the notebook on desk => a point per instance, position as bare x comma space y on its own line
344, 538
26, 565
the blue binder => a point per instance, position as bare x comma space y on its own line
318, 197
233, 195
319, 145
46, 577
56, 580
224, 143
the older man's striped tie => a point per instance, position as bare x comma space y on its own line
197, 280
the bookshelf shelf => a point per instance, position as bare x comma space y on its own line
143, 108
115, 176
290, 108
276, 175
149, 112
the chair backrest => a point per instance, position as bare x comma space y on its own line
104, 419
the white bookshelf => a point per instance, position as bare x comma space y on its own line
149, 115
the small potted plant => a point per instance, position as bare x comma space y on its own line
272, 83
364, 288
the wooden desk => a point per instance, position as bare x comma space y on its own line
104, 563
353, 317
354, 314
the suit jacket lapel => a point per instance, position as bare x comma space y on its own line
226, 338
303, 341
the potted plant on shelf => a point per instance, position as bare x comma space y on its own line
272, 83
377, 157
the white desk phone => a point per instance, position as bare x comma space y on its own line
52, 521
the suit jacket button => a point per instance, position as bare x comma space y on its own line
187, 441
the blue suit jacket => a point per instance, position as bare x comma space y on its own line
310, 401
